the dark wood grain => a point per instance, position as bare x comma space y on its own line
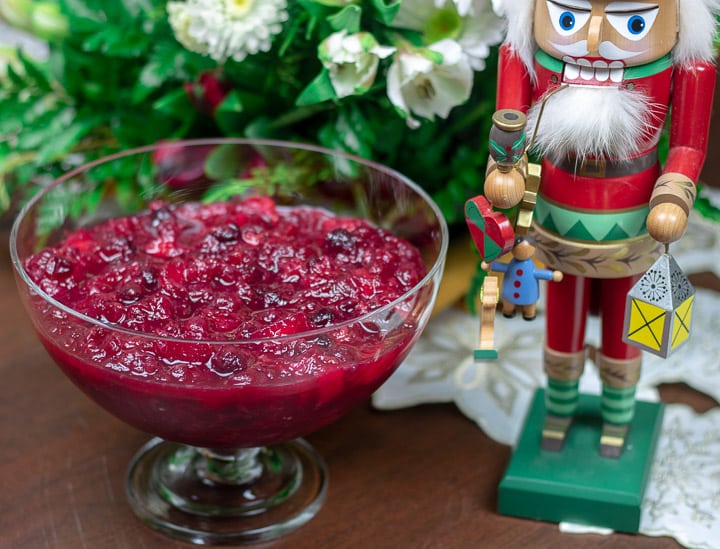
421, 477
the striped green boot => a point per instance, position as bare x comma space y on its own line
561, 400
618, 409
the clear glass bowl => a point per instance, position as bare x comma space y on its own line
226, 464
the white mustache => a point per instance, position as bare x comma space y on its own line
608, 50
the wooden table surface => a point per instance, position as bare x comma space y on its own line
421, 477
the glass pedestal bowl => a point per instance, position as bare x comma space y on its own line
226, 464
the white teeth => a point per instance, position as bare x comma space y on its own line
572, 72
602, 72
597, 70
616, 71
586, 70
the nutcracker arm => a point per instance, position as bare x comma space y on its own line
693, 90
514, 82
505, 177
675, 192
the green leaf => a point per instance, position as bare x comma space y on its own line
13, 111
117, 41
347, 18
233, 114
315, 8
14, 77
319, 90
333, 3
227, 190
152, 76
289, 34
705, 207
63, 142
34, 72
386, 12
4, 195
166, 63
46, 127
349, 132
174, 103
241, 101
225, 162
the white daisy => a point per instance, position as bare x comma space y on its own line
224, 29
471, 23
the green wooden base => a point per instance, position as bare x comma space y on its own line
577, 484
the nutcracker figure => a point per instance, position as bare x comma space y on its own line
596, 81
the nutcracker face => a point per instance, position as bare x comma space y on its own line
606, 33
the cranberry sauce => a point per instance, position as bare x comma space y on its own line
225, 286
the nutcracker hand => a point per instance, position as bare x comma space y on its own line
557, 276
667, 222
485, 266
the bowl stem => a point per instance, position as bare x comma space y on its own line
210, 496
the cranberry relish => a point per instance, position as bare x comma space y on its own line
239, 270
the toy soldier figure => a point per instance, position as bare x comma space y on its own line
597, 80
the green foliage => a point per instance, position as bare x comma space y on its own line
705, 207
118, 78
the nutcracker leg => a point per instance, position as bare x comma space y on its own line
564, 358
561, 396
619, 365
619, 377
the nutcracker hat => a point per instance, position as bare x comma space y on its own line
696, 30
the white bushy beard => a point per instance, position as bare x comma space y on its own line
592, 122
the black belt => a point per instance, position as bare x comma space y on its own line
600, 167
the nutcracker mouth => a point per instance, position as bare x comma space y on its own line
597, 72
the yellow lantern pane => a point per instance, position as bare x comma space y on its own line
681, 327
646, 325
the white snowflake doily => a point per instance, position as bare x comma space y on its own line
684, 489
683, 495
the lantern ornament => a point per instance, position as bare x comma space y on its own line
659, 308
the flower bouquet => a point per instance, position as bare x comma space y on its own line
407, 83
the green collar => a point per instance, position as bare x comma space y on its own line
641, 71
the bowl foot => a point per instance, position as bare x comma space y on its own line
214, 497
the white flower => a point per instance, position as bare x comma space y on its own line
471, 23
224, 29
429, 81
352, 61
499, 7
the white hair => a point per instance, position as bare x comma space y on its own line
696, 32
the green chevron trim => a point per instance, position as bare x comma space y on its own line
593, 227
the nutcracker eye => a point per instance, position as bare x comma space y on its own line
567, 20
633, 26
